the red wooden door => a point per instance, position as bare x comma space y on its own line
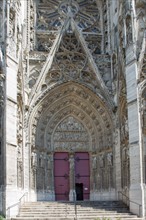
82, 173
61, 176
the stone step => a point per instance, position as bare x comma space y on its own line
72, 210
79, 214
65, 210
72, 207
73, 218
103, 207
79, 203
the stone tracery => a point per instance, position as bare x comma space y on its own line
71, 57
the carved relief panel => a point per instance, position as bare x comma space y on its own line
70, 134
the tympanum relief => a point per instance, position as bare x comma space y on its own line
71, 134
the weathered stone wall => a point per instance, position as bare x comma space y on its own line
14, 118
128, 27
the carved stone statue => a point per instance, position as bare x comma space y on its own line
71, 162
101, 161
110, 159
34, 159
94, 162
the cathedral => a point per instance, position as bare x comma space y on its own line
73, 102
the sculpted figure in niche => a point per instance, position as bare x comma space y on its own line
124, 127
34, 159
128, 30
101, 161
94, 163
109, 140
41, 161
49, 160
12, 23
94, 167
110, 159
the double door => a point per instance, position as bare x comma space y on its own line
81, 175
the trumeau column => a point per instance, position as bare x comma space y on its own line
72, 177
136, 193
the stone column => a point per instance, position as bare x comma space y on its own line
93, 176
94, 172
72, 177
51, 176
135, 144
33, 170
117, 160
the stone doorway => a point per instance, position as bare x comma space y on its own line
71, 174
74, 120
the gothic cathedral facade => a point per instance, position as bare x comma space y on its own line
73, 101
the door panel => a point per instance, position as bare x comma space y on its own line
82, 172
61, 176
